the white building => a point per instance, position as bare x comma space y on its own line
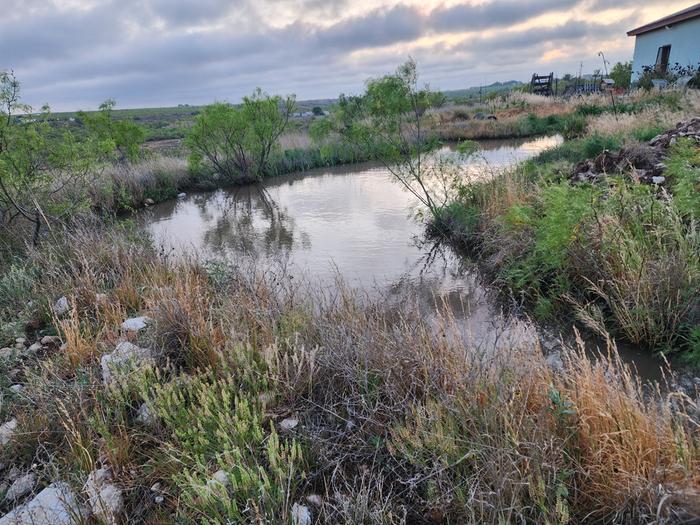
667, 41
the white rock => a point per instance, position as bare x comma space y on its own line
136, 324
658, 180
106, 500
156, 487
21, 487
289, 423
35, 347
16, 389
51, 340
159, 500
145, 416
126, 357
181, 195
219, 478
149, 202
314, 499
7, 431
6, 353
20, 340
301, 515
61, 306
55, 505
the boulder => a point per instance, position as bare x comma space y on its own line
181, 195
35, 347
7, 431
61, 306
21, 487
57, 504
105, 498
149, 202
136, 324
125, 358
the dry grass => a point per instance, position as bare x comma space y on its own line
400, 420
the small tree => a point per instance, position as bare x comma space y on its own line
125, 135
388, 119
238, 141
621, 73
44, 174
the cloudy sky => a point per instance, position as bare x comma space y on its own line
75, 53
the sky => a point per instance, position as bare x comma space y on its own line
73, 54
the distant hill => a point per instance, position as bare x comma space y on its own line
473, 92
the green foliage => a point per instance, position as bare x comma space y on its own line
621, 73
44, 174
125, 135
683, 167
215, 425
569, 125
238, 141
388, 120
580, 149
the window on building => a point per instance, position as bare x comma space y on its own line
662, 57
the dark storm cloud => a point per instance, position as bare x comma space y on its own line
159, 52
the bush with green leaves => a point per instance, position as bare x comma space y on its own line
239, 141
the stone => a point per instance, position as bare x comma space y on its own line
126, 357
149, 202
16, 389
301, 515
136, 324
288, 424
51, 340
6, 353
157, 487
21, 487
315, 500
159, 500
105, 498
145, 416
57, 504
220, 477
181, 195
14, 473
7, 431
61, 306
20, 340
658, 180
35, 347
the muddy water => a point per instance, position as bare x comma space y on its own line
356, 223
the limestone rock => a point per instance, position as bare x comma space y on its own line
126, 357
7, 431
149, 202
51, 340
315, 500
35, 347
6, 353
21, 487
145, 416
301, 515
181, 195
61, 306
55, 505
136, 324
288, 424
106, 499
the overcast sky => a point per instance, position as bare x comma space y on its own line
75, 53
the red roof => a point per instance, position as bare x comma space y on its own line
681, 16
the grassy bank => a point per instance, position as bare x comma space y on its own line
617, 254
265, 398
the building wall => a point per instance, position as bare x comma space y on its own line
684, 39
